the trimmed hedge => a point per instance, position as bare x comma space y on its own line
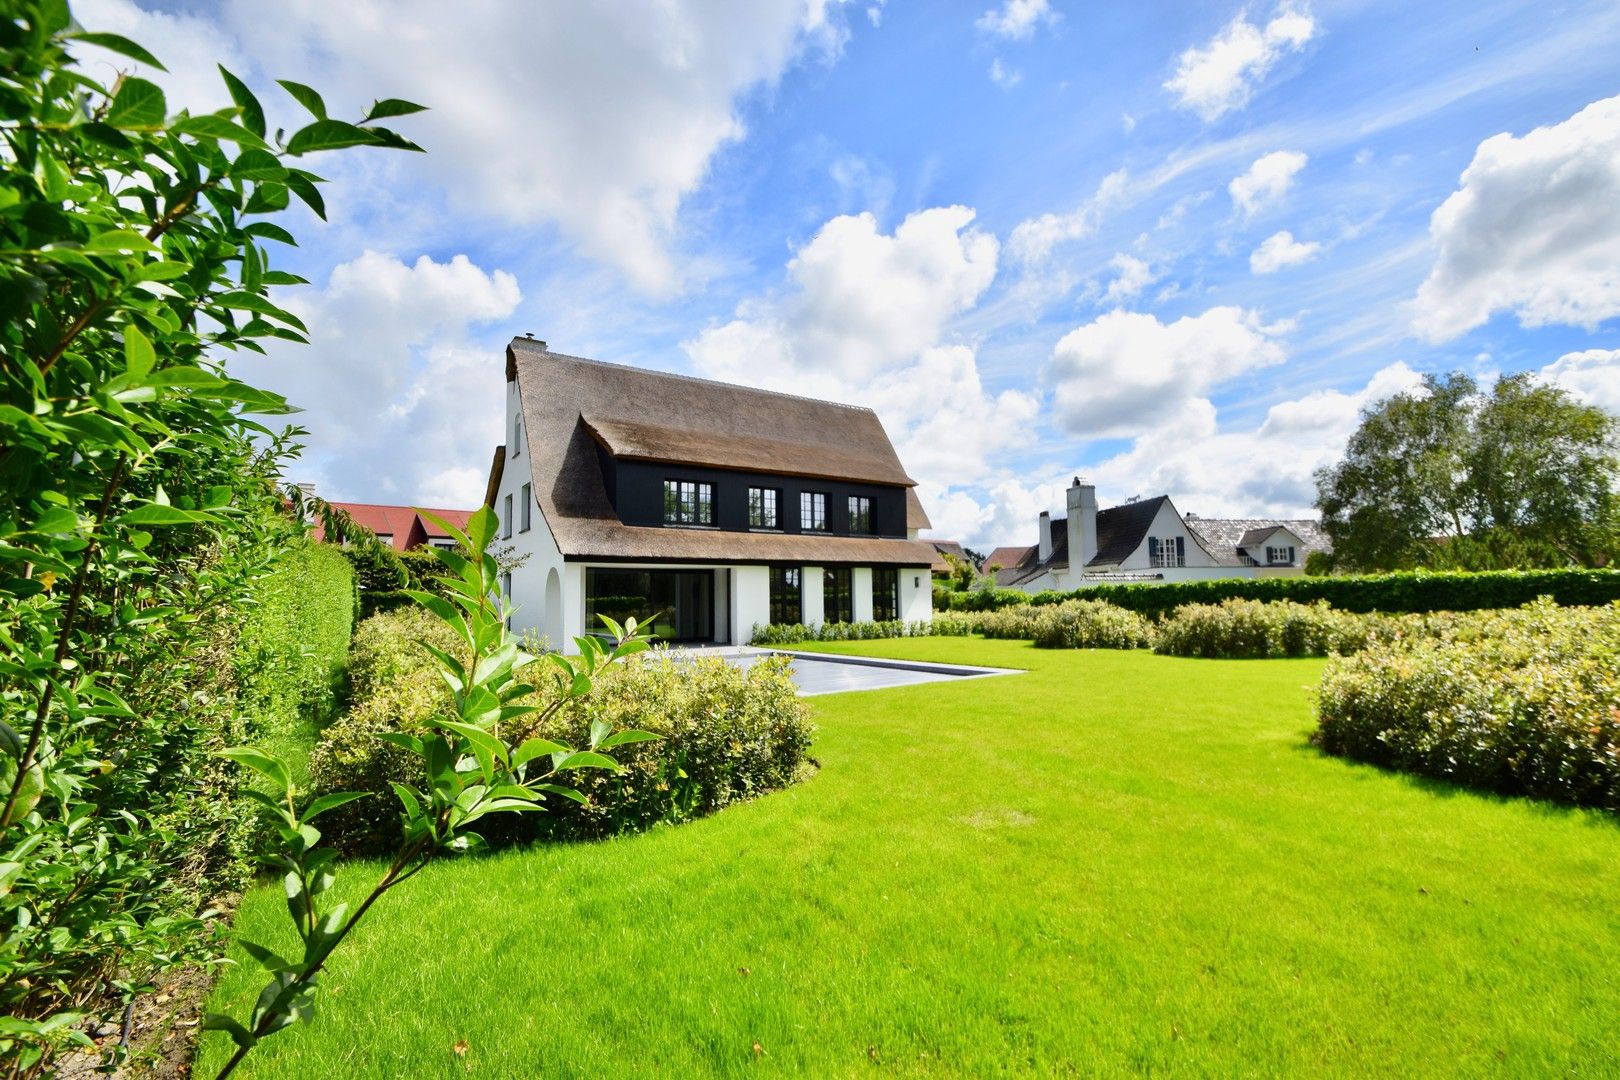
293, 643
944, 624
1073, 624
727, 733
1404, 592
1520, 702
1257, 630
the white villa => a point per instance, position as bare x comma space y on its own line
703, 507
1149, 540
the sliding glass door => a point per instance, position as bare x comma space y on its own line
679, 604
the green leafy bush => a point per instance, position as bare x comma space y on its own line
944, 624
1254, 629
1073, 624
293, 643
1520, 702
726, 734
1408, 591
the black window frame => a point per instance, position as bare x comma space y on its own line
813, 511
526, 518
764, 498
860, 514
506, 518
885, 583
696, 511
787, 595
837, 583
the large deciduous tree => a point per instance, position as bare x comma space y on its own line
1454, 476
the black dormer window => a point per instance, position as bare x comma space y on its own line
688, 502
860, 514
813, 511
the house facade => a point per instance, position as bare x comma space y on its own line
1149, 540
403, 527
702, 507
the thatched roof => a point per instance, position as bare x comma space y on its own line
571, 405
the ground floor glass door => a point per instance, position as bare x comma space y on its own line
679, 604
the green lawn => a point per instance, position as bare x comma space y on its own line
1114, 864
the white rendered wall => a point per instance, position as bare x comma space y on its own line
916, 594
1167, 523
750, 601
529, 580
860, 583
810, 581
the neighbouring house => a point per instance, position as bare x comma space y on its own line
403, 527
704, 508
1148, 540
943, 548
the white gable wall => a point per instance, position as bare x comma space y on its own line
1167, 524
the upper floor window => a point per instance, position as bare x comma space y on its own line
762, 512
860, 514
506, 518
688, 502
524, 518
1279, 556
517, 435
813, 511
1166, 551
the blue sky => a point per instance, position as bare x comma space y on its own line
1173, 247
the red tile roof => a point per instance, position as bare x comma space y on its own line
401, 525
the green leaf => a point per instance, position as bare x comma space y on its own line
155, 514
271, 231
267, 765
256, 164
9, 873
307, 97
624, 738
266, 958
117, 242
209, 126
586, 759
304, 187
252, 111
166, 270
387, 107
530, 749
332, 802
138, 106
119, 44
240, 1035
565, 792
139, 356
10, 742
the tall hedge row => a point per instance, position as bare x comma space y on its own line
1403, 592
293, 643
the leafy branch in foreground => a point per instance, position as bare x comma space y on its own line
474, 762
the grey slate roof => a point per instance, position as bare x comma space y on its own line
1120, 531
1223, 536
557, 392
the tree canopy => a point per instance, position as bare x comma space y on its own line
1455, 476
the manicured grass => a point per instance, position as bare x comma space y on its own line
1114, 864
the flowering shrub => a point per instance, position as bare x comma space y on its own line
1073, 624
944, 624
1521, 702
726, 734
1255, 629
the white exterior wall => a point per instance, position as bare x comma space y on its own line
810, 582
750, 600
530, 581
1167, 523
860, 583
916, 594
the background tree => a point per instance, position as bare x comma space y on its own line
1449, 476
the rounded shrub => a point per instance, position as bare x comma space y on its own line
1255, 629
1091, 624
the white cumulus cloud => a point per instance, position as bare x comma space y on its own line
1125, 372
395, 375
1593, 375
1265, 181
864, 319
1033, 240
1134, 276
1017, 20
1281, 249
1533, 228
1217, 77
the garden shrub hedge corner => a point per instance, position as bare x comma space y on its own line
1522, 702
